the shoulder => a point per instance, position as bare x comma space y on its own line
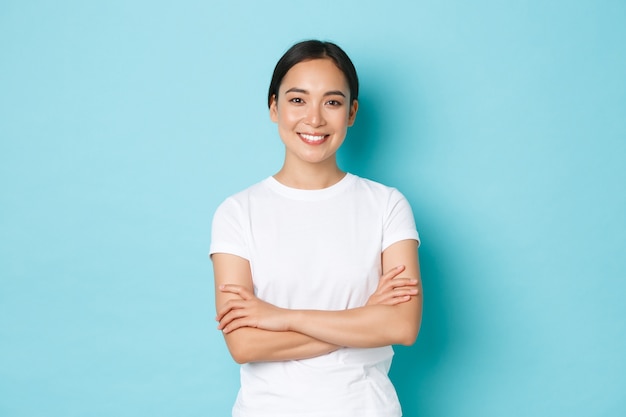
381, 192
229, 228
397, 215
241, 198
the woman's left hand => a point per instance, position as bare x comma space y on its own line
249, 311
393, 290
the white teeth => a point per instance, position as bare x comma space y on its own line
312, 137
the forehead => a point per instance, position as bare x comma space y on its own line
315, 74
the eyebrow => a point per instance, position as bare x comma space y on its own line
328, 93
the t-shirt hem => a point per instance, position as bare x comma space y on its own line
396, 412
404, 235
230, 249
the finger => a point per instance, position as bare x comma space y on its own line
389, 275
230, 317
395, 300
391, 301
399, 292
229, 306
241, 291
397, 295
396, 283
237, 324
393, 272
403, 282
400, 300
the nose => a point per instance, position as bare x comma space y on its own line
314, 116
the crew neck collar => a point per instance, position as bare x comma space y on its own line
310, 195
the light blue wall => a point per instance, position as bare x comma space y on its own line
124, 123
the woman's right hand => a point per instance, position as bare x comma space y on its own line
392, 289
249, 311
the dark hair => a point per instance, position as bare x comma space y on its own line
314, 49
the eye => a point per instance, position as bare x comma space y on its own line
334, 103
296, 100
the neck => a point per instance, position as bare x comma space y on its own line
310, 176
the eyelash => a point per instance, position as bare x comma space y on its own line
298, 100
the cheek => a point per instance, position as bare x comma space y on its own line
289, 117
339, 118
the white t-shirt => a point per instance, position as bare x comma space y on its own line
315, 249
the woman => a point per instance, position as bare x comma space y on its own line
298, 260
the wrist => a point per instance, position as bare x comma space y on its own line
293, 318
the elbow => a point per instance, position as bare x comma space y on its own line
407, 333
409, 328
407, 337
239, 352
239, 358
239, 355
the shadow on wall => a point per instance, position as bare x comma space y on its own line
415, 369
372, 148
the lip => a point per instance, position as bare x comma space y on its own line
313, 138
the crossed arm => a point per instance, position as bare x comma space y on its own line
255, 330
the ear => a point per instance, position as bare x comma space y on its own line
352, 112
274, 109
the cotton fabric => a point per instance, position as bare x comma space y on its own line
315, 249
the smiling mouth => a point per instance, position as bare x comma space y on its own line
312, 139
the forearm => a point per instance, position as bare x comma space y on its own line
249, 344
364, 327
259, 331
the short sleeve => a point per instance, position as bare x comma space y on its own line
227, 231
399, 223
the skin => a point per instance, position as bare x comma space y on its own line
313, 98
313, 112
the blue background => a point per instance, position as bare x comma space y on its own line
123, 125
